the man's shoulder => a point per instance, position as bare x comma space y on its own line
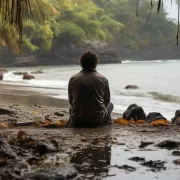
101, 76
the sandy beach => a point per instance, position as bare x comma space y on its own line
96, 153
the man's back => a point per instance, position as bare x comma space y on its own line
88, 96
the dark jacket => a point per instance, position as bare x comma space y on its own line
89, 95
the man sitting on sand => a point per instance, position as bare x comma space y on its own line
89, 95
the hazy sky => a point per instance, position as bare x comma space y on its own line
171, 9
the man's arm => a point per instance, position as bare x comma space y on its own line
69, 92
107, 94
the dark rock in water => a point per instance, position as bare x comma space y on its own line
6, 111
1, 76
158, 165
152, 116
126, 167
5, 150
177, 161
134, 112
61, 173
144, 144
177, 113
37, 72
46, 146
131, 87
176, 118
176, 153
168, 144
3, 71
58, 114
28, 76
137, 159
20, 73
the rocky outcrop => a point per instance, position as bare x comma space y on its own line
61, 53
131, 87
28, 76
153, 116
134, 112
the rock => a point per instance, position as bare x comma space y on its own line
176, 153
1, 76
176, 118
144, 144
20, 73
137, 159
37, 72
177, 161
45, 146
152, 116
131, 87
158, 165
28, 76
126, 167
3, 71
60, 173
5, 150
6, 111
134, 112
58, 114
168, 144
177, 113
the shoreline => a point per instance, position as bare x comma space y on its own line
100, 152
28, 95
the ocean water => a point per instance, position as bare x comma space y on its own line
158, 82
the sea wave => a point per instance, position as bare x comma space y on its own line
136, 94
147, 61
165, 97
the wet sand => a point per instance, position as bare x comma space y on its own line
96, 153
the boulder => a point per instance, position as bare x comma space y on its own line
28, 76
5, 150
20, 73
134, 112
1, 76
45, 146
176, 118
153, 116
37, 72
131, 87
59, 173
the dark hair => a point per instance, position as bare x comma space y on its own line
89, 60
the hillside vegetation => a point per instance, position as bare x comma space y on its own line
62, 30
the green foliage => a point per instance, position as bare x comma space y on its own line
76, 21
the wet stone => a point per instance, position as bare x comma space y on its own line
126, 167
58, 114
177, 161
60, 173
168, 144
176, 153
45, 146
144, 144
5, 150
157, 165
137, 159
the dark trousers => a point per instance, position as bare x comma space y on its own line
71, 123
